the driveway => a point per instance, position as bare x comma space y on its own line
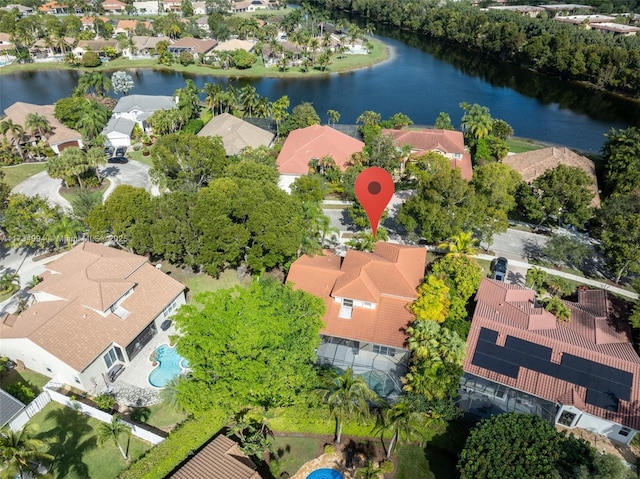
133, 173
42, 184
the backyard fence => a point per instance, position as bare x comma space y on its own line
49, 394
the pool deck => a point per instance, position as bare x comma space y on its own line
132, 387
329, 461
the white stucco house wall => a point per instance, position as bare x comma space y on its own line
118, 132
93, 312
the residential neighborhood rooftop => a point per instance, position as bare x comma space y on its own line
387, 278
588, 360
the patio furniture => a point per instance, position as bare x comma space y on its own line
116, 371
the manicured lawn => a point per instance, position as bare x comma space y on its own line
24, 376
73, 441
520, 145
17, 174
163, 417
7, 293
413, 464
292, 453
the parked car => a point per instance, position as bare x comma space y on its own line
499, 268
120, 151
108, 151
117, 159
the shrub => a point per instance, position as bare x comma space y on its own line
186, 58
105, 401
91, 60
193, 126
24, 392
329, 449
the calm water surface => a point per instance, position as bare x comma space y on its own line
421, 80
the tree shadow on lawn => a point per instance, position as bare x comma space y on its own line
68, 441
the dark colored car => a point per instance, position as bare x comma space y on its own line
108, 151
120, 151
499, 268
117, 159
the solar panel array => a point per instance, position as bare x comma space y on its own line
605, 385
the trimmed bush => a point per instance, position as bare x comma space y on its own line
105, 401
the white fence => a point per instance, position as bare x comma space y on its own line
49, 395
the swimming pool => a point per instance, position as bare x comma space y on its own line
170, 364
325, 474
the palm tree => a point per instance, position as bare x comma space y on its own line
38, 125
213, 92
8, 281
334, 116
461, 244
94, 82
95, 159
556, 307
370, 471
65, 229
112, 431
92, 120
248, 99
17, 133
536, 278
476, 120
169, 393
403, 421
20, 453
347, 396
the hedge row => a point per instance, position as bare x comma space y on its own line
299, 419
158, 462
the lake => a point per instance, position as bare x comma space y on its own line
421, 79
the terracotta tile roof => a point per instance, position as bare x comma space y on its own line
532, 164
387, 277
195, 45
90, 278
236, 133
316, 141
219, 459
113, 5
47, 7
445, 142
130, 24
61, 134
587, 336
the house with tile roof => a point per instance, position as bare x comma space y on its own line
236, 133
305, 145
221, 458
532, 164
138, 108
114, 7
366, 297
142, 45
581, 373
93, 312
127, 27
61, 136
197, 47
53, 8
152, 7
448, 143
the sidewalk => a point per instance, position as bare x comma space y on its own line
573, 277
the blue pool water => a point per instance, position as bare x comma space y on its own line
170, 363
325, 474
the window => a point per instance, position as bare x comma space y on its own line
384, 350
167, 311
348, 303
109, 358
367, 304
624, 431
77, 379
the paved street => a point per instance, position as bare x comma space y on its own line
42, 184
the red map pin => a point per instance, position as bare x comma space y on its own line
374, 188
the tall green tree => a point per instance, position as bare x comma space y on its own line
20, 453
187, 162
302, 116
248, 346
404, 421
621, 152
444, 203
347, 396
26, 220
476, 121
562, 194
443, 122
435, 367
17, 134
38, 124
111, 431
